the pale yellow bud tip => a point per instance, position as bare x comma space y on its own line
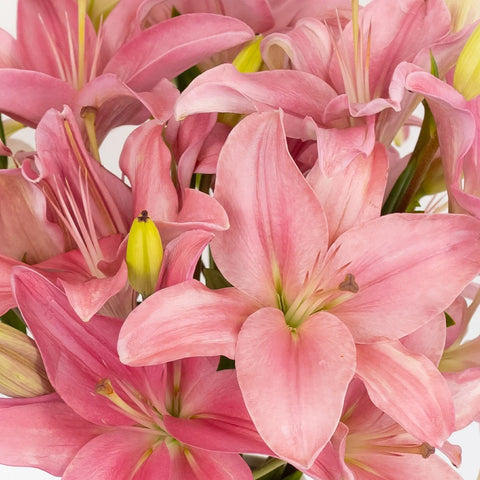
144, 255
466, 78
250, 58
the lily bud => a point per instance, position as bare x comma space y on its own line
144, 255
22, 373
466, 78
250, 58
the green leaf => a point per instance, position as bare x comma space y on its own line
214, 279
14, 320
225, 363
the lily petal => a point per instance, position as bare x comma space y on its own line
409, 388
306, 372
185, 320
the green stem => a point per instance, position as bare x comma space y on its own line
269, 467
3, 159
409, 182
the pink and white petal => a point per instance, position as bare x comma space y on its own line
42, 432
330, 464
34, 238
115, 454
184, 320
294, 381
278, 231
225, 89
76, 356
465, 388
399, 467
171, 47
355, 194
408, 388
181, 256
399, 262
429, 339
191, 463
39, 93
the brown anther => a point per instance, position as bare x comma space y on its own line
104, 387
426, 450
349, 284
143, 217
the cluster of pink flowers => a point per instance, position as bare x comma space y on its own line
270, 288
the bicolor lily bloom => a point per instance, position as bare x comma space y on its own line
310, 302
176, 421
121, 72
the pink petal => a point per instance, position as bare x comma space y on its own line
146, 161
172, 46
39, 93
35, 238
43, 433
224, 89
114, 454
199, 464
400, 262
184, 320
305, 371
268, 249
76, 355
354, 194
465, 388
409, 388
181, 256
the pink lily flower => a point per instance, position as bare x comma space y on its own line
79, 215
310, 302
368, 445
181, 420
122, 75
364, 64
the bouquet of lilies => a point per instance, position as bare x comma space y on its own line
273, 283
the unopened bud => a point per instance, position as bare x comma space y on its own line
22, 373
466, 78
250, 58
144, 255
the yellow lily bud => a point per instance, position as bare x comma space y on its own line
98, 10
466, 78
250, 58
144, 255
22, 373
